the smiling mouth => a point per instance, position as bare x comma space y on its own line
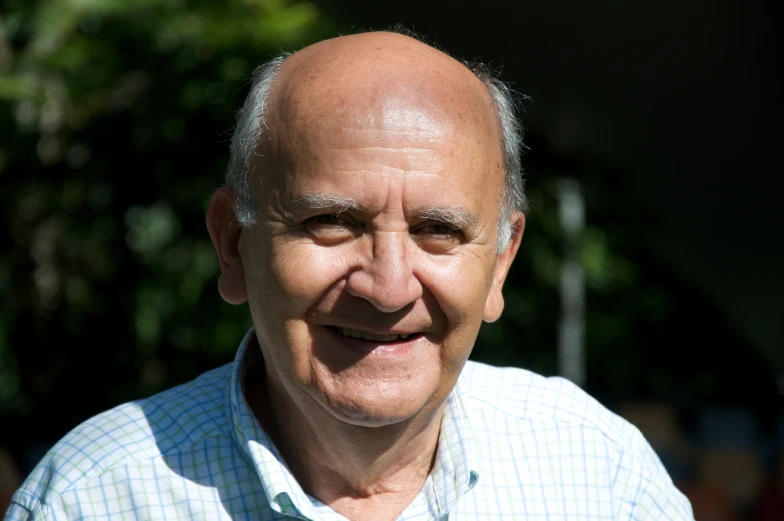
364, 335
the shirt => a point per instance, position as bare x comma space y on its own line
513, 445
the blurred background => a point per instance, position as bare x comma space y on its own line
652, 267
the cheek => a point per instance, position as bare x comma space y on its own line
301, 273
285, 280
460, 286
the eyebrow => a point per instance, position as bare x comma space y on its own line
456, 217
312, 200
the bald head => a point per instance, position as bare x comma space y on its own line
373, 75
380, 80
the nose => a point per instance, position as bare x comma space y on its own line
387, 279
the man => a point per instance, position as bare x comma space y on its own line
373, 209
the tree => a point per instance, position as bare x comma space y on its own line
115, 119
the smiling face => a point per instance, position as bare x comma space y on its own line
374, 259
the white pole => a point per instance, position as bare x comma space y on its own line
571, 327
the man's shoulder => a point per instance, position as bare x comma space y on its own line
169, 422
553, 438
533, 401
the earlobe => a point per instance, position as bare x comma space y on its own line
231, 283
225, 233
494, 304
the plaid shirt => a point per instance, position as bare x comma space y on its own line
513, 445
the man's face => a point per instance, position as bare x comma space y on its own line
374, 260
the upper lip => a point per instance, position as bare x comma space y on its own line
379, 331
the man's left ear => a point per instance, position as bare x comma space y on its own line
494, 305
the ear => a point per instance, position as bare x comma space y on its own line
225, 233
494, 305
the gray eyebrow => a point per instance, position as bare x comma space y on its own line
456, 217
313, 200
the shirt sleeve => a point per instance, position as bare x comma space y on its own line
24, 507
643, 488
17, 512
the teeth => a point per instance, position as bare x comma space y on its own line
368, 336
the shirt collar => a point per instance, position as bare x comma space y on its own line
455, 471
284, 494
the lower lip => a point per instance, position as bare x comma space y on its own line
375, 347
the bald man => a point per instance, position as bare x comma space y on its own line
373, 208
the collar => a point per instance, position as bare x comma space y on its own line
455, 471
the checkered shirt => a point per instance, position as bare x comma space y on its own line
513, 445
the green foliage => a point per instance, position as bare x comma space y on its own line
115, 119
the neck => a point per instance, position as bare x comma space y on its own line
360, 472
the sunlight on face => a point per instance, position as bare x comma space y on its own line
370, 269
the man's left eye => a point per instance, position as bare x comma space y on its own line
439, 229
438, 236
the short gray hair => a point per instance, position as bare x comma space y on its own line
251, 122
247, 135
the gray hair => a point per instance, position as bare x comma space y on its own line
245, 140
251, 121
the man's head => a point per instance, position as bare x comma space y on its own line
251, 127
371, 173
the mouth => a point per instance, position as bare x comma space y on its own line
364, 335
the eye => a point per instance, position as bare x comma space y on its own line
331, 227
438, 235
439, 229
332, 219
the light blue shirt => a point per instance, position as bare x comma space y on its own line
513, 445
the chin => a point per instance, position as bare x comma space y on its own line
368, 419
374, 413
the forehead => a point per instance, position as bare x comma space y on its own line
397, 129
397, 105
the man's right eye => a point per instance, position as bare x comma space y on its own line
328, 219
330, 227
